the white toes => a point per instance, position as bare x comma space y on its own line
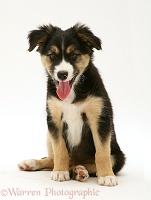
60, 176
28, 165
108, 181
82, 173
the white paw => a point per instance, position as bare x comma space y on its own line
81, 173
60, 176
108, 181
28, 165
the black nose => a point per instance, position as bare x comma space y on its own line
62, 75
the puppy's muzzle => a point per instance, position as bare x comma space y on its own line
62, 75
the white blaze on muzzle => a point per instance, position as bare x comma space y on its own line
64, 87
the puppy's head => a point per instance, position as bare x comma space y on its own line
65, 54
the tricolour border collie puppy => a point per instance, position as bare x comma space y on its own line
81, 138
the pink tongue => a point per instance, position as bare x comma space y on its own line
63, 90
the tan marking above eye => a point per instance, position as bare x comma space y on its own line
53, 49
70, 49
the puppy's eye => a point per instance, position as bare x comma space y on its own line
73, 56
52, 57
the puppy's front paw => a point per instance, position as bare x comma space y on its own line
28, 165
60, 176
108, 181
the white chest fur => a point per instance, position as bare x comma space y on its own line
71, 113
72, 116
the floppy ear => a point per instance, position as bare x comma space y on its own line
39, 37
85, 35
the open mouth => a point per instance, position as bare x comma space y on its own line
64, 88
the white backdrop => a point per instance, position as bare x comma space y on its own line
124, 28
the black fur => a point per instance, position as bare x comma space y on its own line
51, 125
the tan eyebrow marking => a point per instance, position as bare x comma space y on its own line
54, 49
70, 49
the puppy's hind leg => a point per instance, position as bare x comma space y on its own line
45, 163
32, 164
